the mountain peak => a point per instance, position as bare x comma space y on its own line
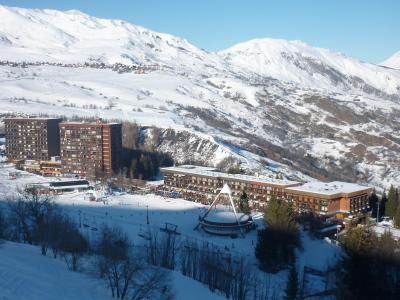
393, 61
75, 37
296, 61
265, 42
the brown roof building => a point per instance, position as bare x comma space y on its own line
32, 138
202, 184
333, 199
90, 150
338, 199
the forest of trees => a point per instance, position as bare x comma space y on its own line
386, 205
141, 160
370, 267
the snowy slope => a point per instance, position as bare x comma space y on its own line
310, 66
393, 61
26, 274
276, 106
72, 36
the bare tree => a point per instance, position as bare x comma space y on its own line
130, 135
19, 218
115, 263
190, 259
152, 284
162, 250
242, 279
73, 245
3, 226
125, 272
58, 225
39, 208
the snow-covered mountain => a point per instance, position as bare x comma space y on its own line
393, 61
295, 61
276, 106
74, 37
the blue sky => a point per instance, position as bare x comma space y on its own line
366, 29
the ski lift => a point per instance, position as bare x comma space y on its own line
144, 234
170, 228
94, 225
85, 222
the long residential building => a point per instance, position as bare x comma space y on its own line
336, 199
91, 150
203, 183
32, 138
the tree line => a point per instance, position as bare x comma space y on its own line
370, 266
386, 205
140, 158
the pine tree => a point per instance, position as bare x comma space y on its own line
244, 204
397, 197
370, 267
292, 285
276, 243
134, 163
279, 214
382, 206
373, 204
392, 202
396, 218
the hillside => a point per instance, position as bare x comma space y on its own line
276, 106
25, 274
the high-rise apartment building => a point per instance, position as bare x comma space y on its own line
90, 150
32, 138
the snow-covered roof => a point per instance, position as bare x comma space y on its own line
32, 118
59, 185
212, 172
329, 188
88, 123
225, 217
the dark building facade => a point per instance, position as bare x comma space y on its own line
91, 150
32, 138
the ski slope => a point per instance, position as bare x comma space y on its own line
27, 275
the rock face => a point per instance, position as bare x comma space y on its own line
277, 107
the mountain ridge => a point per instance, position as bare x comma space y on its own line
276, 106
393, 61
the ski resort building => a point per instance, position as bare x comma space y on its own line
334, 199
32, 138
43, 167
339, 199
90, 150
60, 187
224, 218
202, 184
